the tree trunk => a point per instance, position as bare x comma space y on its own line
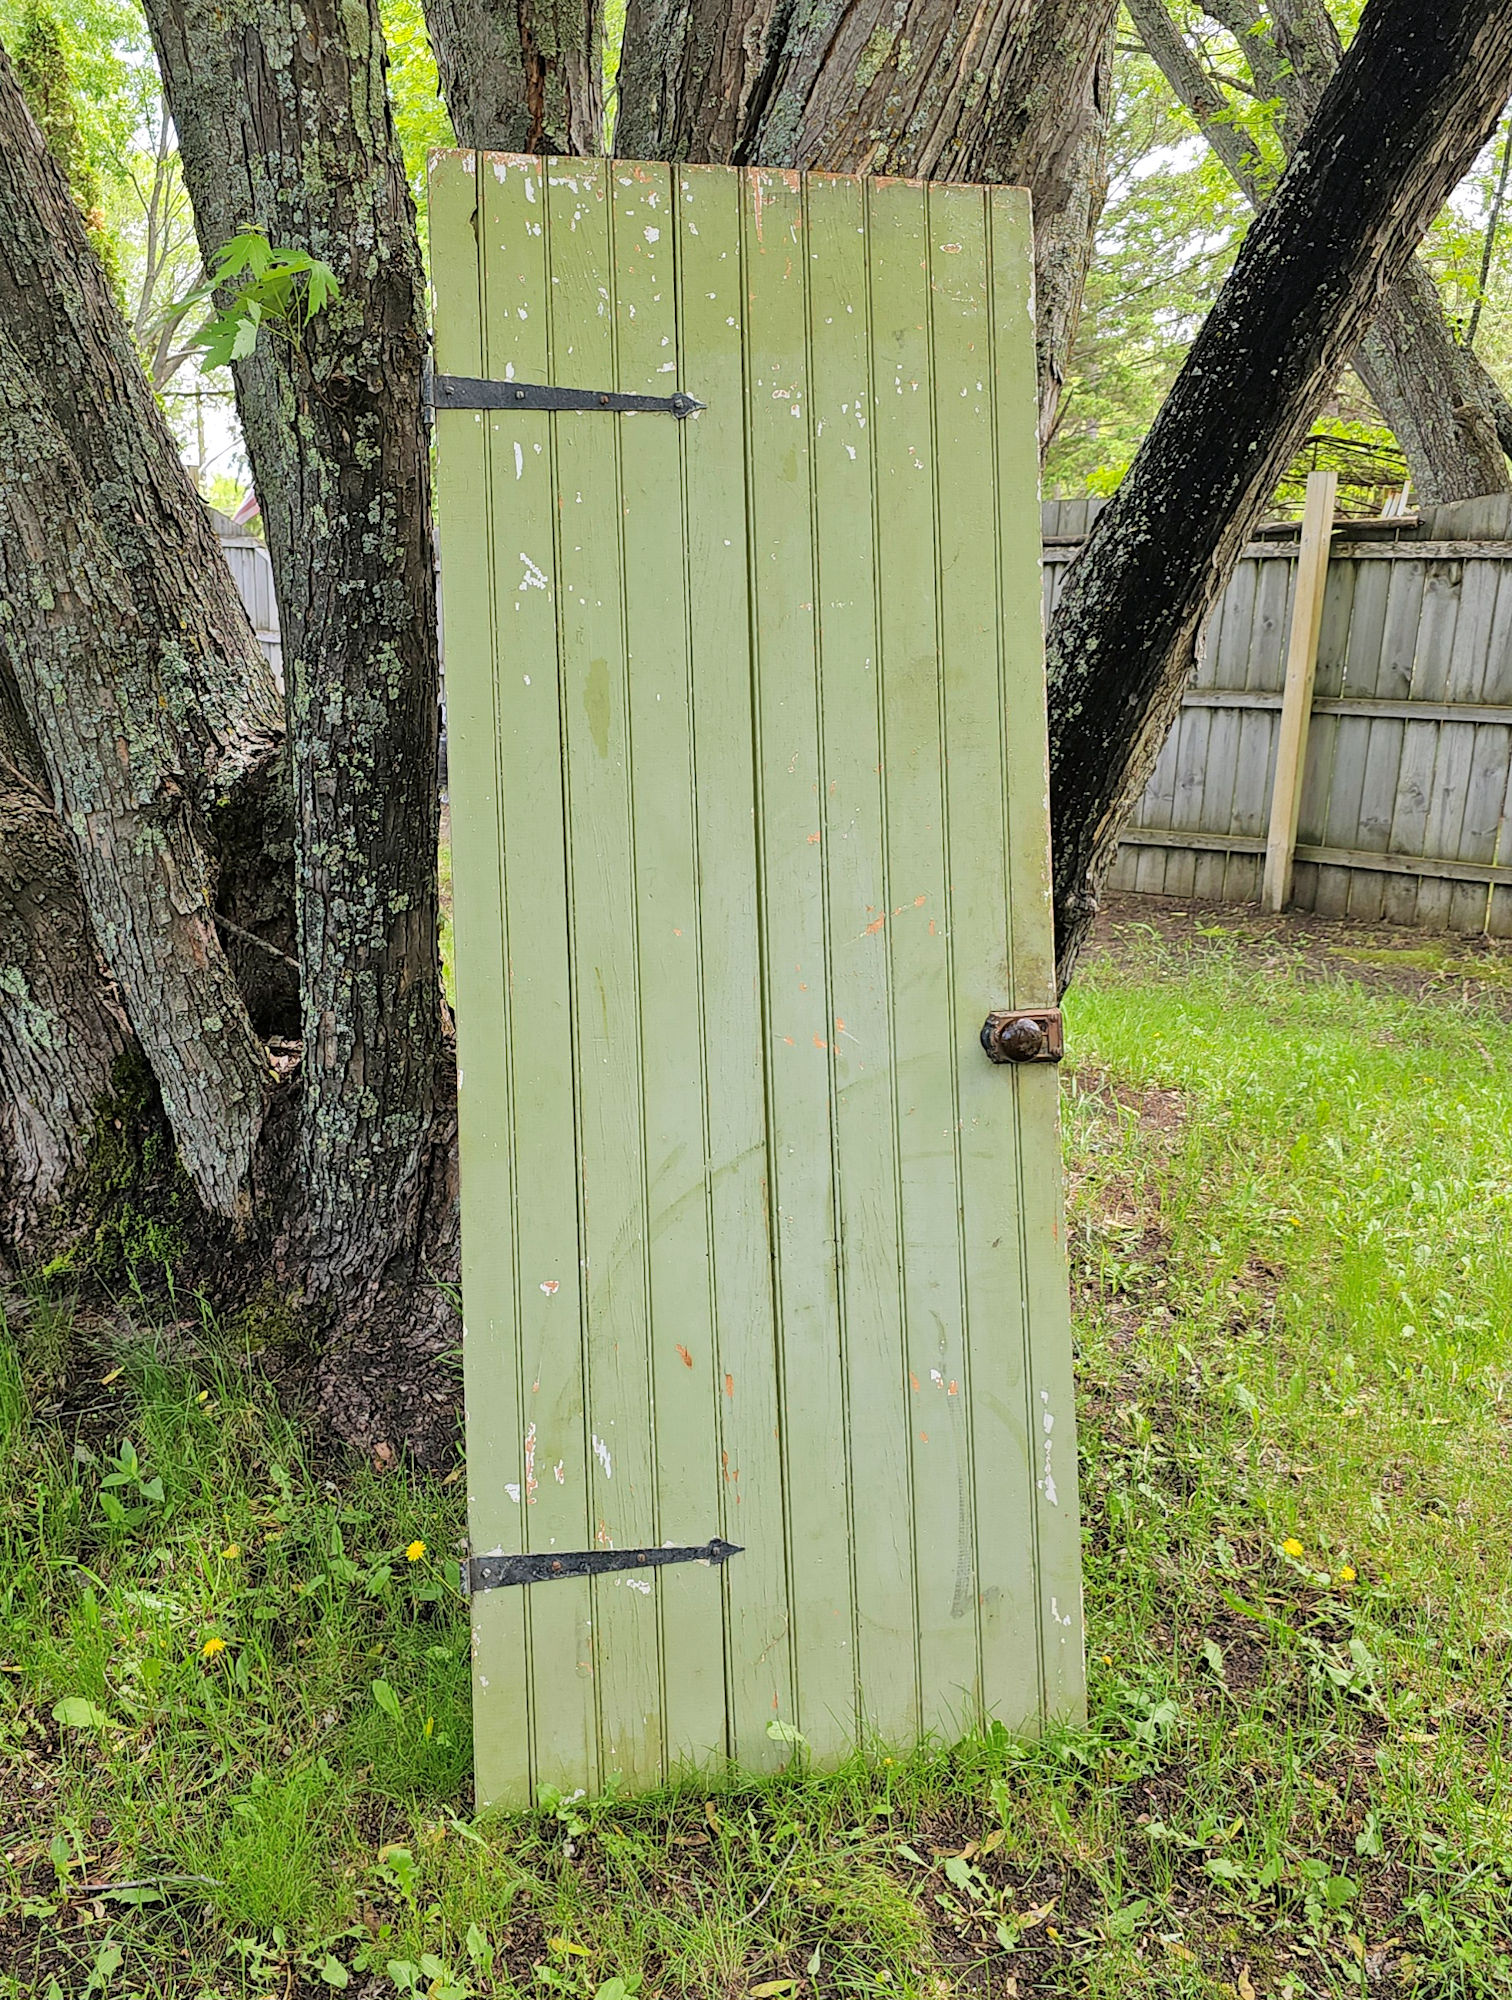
522, 76
1399, 123
62, 1030
284, 126
73, 643
131, 655
1431, 392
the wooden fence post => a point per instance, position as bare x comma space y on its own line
1296, 701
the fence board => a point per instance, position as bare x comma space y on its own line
1409, 763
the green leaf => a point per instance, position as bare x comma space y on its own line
387, 1700
784, 1732
76, 1713
333, 1972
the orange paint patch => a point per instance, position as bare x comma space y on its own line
730, 1387
953, 1390
913, 1381
820, 1042
813, 840
687, 1359
790, 1042
923, 1437
873, 928
918, 902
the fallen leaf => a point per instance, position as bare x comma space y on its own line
1246, 1984
106, 1380
770, 1988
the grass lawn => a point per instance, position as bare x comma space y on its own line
235, 1681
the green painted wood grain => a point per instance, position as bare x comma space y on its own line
671, 1029
859, 1029
978, 716
749, 833
792, 920
580, 250
916, 935
1046, 1330
490, 1322
543, 1002
712, 316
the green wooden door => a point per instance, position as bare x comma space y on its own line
747, 750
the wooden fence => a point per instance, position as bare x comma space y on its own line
1406, 787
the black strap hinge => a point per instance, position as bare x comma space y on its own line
500, 1571
469, 392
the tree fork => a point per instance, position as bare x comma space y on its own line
1436, 397
1398, 124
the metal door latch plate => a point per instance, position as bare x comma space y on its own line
1033, 1035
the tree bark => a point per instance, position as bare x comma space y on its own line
62, 1030
1398, 124
284, 125
1003, 91
522, 76
132, 657
1431, 392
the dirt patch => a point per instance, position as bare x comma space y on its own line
1422, 964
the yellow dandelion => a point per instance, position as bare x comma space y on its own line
1291, 1546
230, 1552
211, 1647
1346, 1574
414, 1552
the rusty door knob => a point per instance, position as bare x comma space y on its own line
1020, 1040
1035, 1036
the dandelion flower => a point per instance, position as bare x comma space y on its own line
1346, 1574
414, 1552
211, 1647
1291, 1546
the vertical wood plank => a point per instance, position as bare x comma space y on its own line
467, 516
757, 1622
1050, 1417
1442, 584
672, 1031
1301, 666
989, 1400
608, 1019
797, 959
915, 929
860, 1028
533, 841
